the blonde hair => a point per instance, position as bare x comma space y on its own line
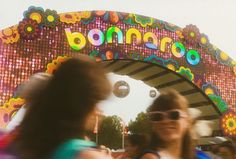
167, 100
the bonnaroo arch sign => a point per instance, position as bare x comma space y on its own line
44, 39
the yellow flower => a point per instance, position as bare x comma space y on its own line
229, 123
69, 18
171, 67
85, 14
179, 34
36, 16
224, 56
10, 35
209, 91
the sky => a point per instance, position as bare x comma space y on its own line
215, 18
136, 101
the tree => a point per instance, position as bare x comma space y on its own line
140, 125
110, 132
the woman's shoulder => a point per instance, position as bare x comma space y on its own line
92, 154
79, 143
71, 148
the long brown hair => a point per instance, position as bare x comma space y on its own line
60, 110
167, 100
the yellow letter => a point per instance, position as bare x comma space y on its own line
164, 41
76, 40
129, 34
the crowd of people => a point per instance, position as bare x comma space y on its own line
60, 109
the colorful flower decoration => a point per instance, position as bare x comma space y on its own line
209, 88
106, 55
228, 123
143, 21
186, 72
85, 14
78, 16
29, 29
179, 33
158, 24
9, 35
222, 57
35, 13
233, 63
95, 55
51, 18
110, 16
89, 20
211, 50
204, 41
170, 27
191, 34
135, 56
234, 70
69, 18
129, 19
52, 67
218, 101
172, 64
110, 54
199, 80
9, 109
87, 17
154, 59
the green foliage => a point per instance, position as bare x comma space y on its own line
140, 125
110, 132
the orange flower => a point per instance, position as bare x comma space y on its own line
111, 16
51, 67
179, 34
69, 18
10, 35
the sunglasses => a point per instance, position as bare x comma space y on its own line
157, 116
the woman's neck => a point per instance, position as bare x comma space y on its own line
174, 148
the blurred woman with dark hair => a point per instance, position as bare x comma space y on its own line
55, 123
27, 91
171, 126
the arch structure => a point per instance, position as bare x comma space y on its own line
159, 53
